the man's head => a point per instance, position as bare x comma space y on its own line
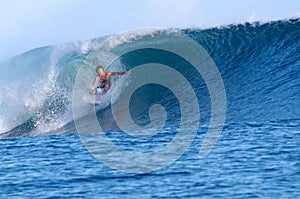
99, 69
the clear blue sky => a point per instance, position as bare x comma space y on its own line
27, 24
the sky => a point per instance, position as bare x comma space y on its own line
28, 24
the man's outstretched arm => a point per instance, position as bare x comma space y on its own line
116, 73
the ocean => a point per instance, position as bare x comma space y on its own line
203, 113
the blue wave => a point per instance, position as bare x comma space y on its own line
259, 64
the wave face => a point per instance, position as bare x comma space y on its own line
259, 64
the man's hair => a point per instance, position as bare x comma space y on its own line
98, 67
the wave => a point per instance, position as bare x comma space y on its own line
259, 65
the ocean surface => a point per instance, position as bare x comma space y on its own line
256, 155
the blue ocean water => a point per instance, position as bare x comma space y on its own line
249, 161
257, 154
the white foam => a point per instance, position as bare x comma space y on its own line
130, 36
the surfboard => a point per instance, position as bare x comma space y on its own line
92, 99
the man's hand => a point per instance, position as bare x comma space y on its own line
92, 91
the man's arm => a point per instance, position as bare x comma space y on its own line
116, 73
92, 91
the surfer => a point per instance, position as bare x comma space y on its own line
104, 79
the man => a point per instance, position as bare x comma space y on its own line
104, 79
